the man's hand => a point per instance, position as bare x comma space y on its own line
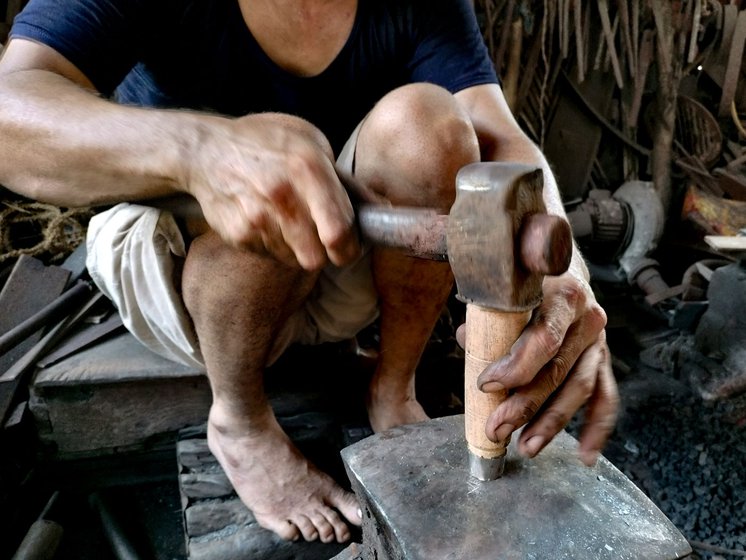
267, 183
560, 363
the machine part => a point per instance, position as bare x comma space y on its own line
648, 220
625, 226
417, 505
601, 225
644, 273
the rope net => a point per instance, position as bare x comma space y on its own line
41, 230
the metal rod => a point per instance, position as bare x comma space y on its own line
48, 314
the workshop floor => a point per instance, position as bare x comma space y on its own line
688, 456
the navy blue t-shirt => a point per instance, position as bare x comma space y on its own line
199, 54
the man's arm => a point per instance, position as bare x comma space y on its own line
265, 182
62, 143
561, 361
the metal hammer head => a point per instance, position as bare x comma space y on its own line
500, 240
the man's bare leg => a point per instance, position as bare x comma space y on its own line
239, 301
410, 148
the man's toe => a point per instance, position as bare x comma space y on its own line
348, 506
324, 527
285, 529
306, 526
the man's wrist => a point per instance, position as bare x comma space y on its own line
577, 267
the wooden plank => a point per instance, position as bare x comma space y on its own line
194, 453
207, 516
88, 420
731, 183
726, 243
117, 359
352, 552
115, 395
205, 485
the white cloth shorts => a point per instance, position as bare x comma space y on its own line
135, 256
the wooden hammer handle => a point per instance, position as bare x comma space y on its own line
489, 336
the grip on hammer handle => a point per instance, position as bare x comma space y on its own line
489, 336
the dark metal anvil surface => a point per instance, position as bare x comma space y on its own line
419, 503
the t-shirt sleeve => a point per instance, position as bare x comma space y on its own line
449, 49
100, 37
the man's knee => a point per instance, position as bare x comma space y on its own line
421, 132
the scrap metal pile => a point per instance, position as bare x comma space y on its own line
639, 107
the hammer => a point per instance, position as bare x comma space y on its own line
500, 242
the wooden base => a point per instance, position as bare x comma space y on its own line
114, 396
217, 526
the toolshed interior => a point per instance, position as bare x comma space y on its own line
640, 108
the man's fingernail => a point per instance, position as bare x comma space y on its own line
533, 445
492, 387
504, 431
359, 513
589, 457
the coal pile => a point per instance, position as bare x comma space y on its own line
688, 456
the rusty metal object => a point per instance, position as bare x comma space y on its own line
50, 313
417, 505
698, 131
422, 232
418, 231
493, 227
713, 215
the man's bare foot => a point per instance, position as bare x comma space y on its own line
284, 491
389, 407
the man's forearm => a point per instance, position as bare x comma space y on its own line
525, 151
64, 145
